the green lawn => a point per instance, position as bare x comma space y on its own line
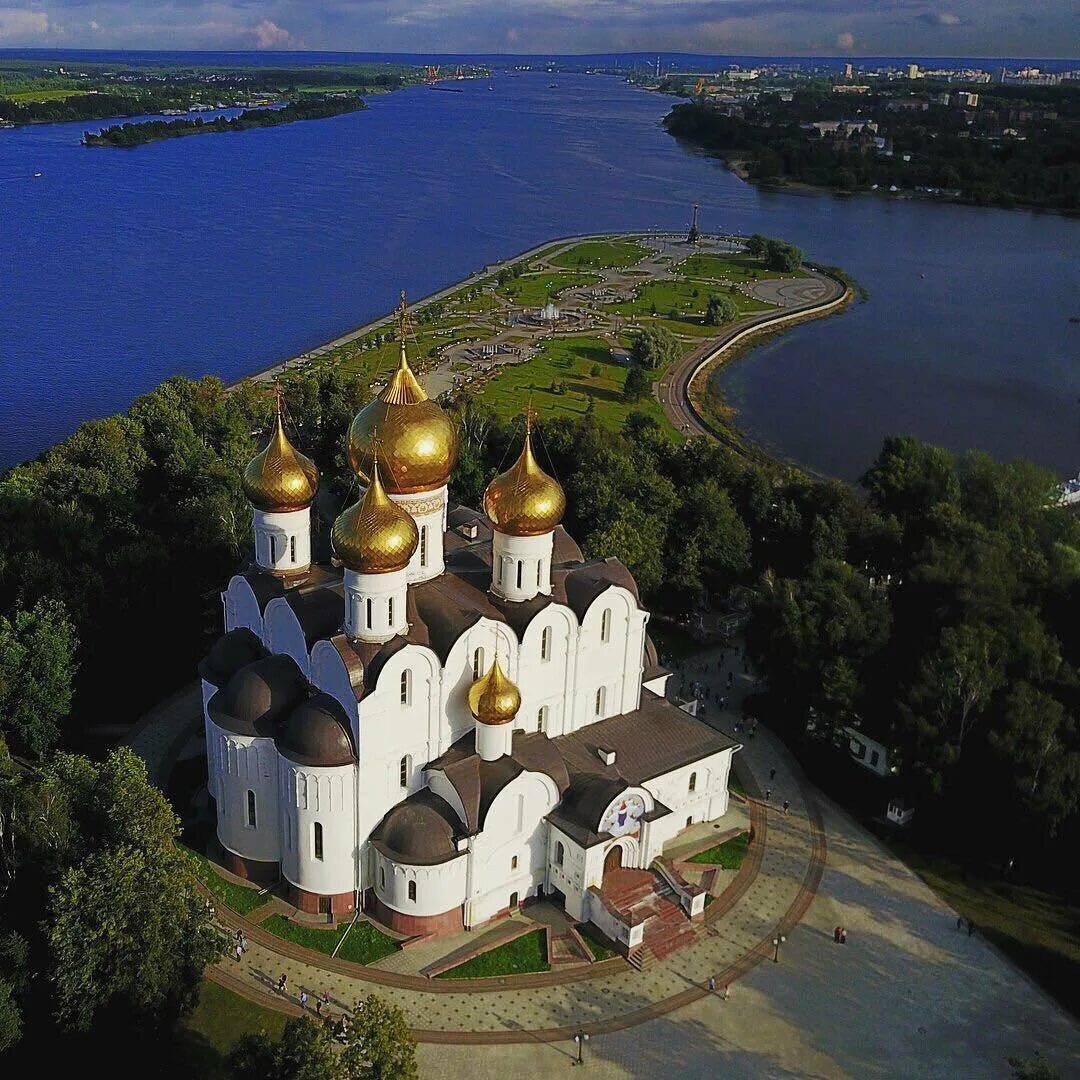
687, 300
534, 290
25, 96
364, 945
523, 954
728, 855
737, 267
1037, 930
380, 362
204, 1039
241, 898
601, 253
567, 362
599, 945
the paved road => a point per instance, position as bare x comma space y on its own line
797, 299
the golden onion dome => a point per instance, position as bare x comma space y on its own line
493, 698
279, 479
418, 442
524, 500
374, 535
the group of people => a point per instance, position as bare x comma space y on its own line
340, 1026
240, 946
839, 935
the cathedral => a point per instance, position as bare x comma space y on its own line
452, 712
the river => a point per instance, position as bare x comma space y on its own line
226, 253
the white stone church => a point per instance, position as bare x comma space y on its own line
454, 711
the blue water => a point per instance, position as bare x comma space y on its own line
225, 253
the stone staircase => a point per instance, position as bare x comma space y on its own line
642, 896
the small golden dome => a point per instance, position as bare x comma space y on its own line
524, 500
279, 478
374, 535
493, 698
418, 442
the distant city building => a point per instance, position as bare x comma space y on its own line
849, 71
851, 88
912, 71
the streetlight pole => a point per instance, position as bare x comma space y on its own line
580, 1038
777, 942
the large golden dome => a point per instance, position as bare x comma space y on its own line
279, 478
493, 698
524, 500
374, 535
418, 442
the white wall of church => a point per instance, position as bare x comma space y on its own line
566, 870
428, 510
242, 606
282, 540
610, 646
510, 855
329, 674
438, 888
240, 764
706, 801
457, 675
547, 661
283, 634
313, 801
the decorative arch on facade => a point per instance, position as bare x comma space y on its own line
284, 634
623, 814
242, 607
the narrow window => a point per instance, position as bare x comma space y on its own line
521, 570
689, 822
403, 771
541, 719
288, 833
318, 841
560, 853
478, 663
423, 545
539, 568
368, 606
412, 890
251, 809
874, 758
390, 611
513, 862
292, 549
545, 643
605, 625
273, 547
600, 701
406, 687
382, 877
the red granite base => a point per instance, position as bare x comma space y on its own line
265, 873
308, 902
449, 922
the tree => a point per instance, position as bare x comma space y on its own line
10, 1017
637, 385
37, 668
783, 257
756, 245
380, 1045
720, 309
305, 1051
1033, 1068
654, 347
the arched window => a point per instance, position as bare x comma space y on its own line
403, 771
301, 791
513, 862
292, 549
599, 701
539, 571
382, 877
521, 570
545, 643
693, 781
251, 809
541, 719
560, 853
318, 841
368, 607
412, 890
406, 687
605, 625
273, 547
390, 611
478, 662
423, 545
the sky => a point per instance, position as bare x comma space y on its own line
1035, 28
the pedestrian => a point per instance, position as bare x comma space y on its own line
836, 935
730, 679
325, 999
318, 1007
243, 942
786, 806
283, 983
303, 1000
959, 922
768, 794
971, 928
727, 992
723, 702
772, 774
843, 935
712, 984
238, 951
239, 935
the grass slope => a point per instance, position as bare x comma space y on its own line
601, 253
523, 954
364, 945
728, 855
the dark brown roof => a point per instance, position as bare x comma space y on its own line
317, 733
586, 582
320, 612
419, 831
259, 696
653, 668
229, 654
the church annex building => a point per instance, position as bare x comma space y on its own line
456, 711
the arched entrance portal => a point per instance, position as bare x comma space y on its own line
613, 859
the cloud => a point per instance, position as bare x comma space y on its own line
845, 40
939, 18
18, 24
268, 35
